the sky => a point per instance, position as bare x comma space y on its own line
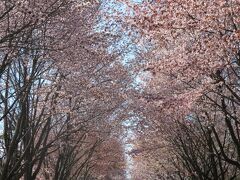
126, 45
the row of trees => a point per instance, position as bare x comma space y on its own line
59, 92
63, 96
189, 124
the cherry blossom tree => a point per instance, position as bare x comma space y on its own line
60, 90
193, 89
